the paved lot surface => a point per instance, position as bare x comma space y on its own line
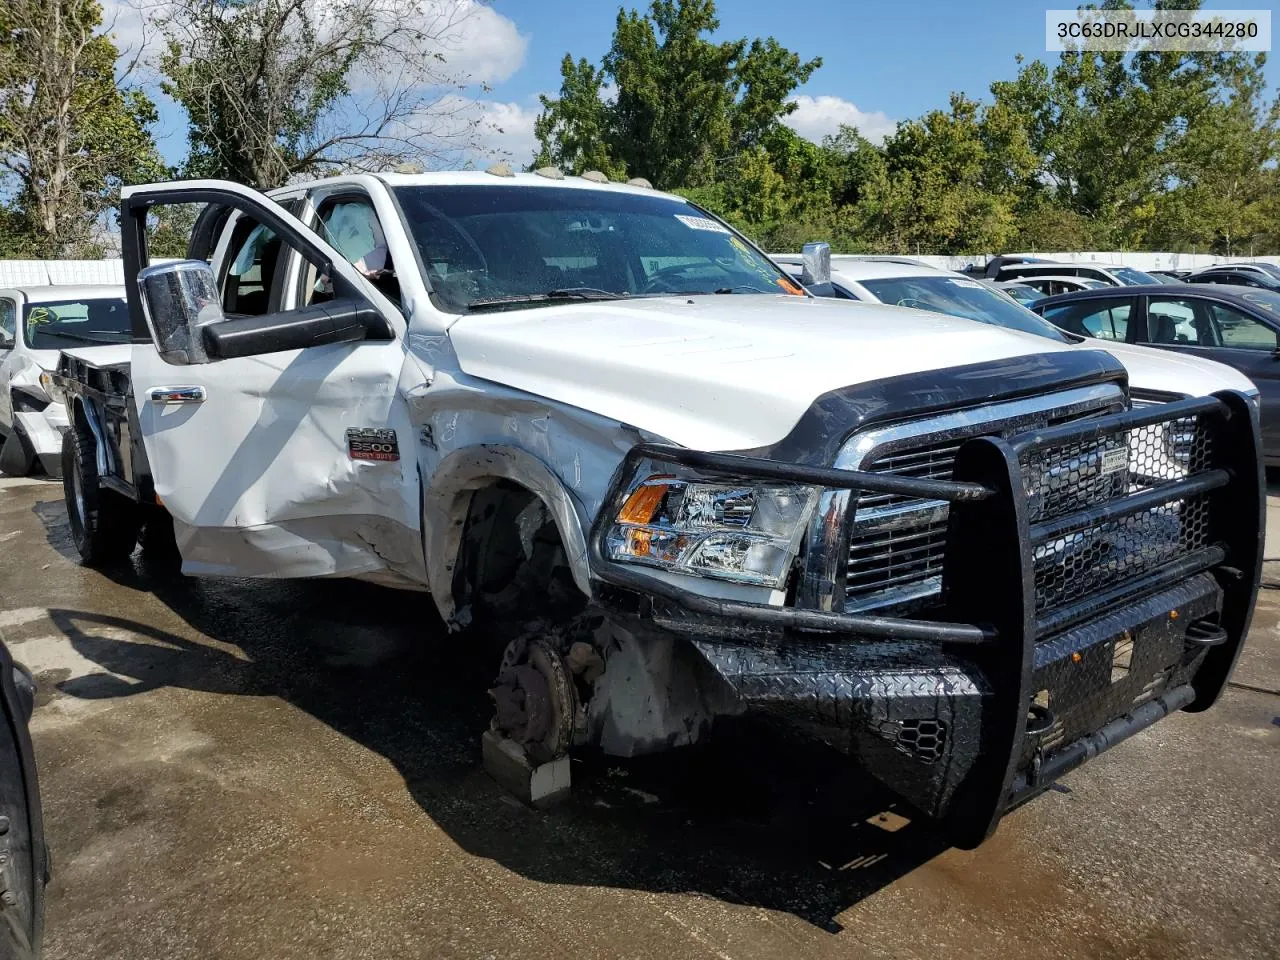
252, 769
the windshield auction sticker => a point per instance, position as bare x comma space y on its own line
701, 223
1131, 31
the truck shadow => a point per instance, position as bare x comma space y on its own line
753, 818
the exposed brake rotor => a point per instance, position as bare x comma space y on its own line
534, 699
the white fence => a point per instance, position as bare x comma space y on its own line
39, 273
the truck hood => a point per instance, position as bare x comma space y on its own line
718, 372
1168, 372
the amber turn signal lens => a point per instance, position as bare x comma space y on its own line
643, 503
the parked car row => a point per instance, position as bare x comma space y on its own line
1218, 337
36, 322
1233, 325
1052, 278
1026, 269
907, 283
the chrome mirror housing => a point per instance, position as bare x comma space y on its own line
817, 264
178, 299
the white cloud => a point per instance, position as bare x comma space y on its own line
488, 47
127, 24
817, 117
506, 131
479, 45
496, 130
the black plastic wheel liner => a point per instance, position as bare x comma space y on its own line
22, 874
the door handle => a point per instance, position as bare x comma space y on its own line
176, 395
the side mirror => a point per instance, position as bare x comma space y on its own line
6, 340
178, 299
817, 264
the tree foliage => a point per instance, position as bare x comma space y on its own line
1101, 150
668, 103
71, 132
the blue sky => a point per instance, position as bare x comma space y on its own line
882, 62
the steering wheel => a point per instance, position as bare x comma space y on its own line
661, 281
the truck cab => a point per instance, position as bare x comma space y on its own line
596, 422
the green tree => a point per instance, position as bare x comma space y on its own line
1122, 140
70, 133
936, 191
575, 130
1223, 167
685, 108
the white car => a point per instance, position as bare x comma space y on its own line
599, 425
35, 324
1153, 374
1020, 268
1053, 284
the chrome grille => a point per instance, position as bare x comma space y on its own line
931, 462
895, 551
882, 563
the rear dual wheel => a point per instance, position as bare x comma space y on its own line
104, 524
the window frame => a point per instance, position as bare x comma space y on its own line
1147, 338
1136, 309
315, 202
223, 257
13, 317
1209, 303
1253, 317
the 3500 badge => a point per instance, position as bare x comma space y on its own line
372, 443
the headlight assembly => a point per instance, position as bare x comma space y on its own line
50, 388
712, 527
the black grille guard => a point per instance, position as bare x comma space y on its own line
988, 471
993, 591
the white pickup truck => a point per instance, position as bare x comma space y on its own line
952, 551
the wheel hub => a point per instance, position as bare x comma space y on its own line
534, 700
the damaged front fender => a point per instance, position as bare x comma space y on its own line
445, 505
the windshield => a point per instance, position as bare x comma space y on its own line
1022, 293
60, 324
497, 246
1131, 277
961, 297
1267, 301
